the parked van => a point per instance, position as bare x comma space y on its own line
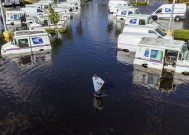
113, 3
65, 5
27, 41
43, 5
117, 8
11, 2
146, 29
17, 17
140, 19
170, 55
32, 11
129, 41
43, 22
123, 13
164, 12
75, 2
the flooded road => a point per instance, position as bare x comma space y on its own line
52, 93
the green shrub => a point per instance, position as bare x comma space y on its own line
24, 2
50, 30
139, 3
62, 30
181, 34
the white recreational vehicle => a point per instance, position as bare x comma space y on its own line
140, 19
11, 3
147, 29
123, 13
27, 41
114, 3
129, 41
164, 12
17, 17
43, 22
170, 55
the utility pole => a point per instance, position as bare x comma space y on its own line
169, 32
6, 33
3, 16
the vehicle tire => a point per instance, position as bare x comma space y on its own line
12, 23
154, 18
177, 18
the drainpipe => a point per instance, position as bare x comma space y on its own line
169, 31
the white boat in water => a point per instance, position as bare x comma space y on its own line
27, 41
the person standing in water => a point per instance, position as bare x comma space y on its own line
98, 84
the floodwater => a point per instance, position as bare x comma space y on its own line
52, 93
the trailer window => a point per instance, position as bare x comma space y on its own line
23, 42
150, 20
151, 31
184, 49
156, 55
45, 7
136, 11
142, 22
39, 10
159, 11
130, 12
161, 32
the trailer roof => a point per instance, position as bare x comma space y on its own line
15, 12
139, 15
136, 34
162, 43
29, 32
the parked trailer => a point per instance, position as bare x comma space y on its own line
170, 55
27, 41
17, 17
140, 19
11, 3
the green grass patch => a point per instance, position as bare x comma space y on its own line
62, 30
181, 34
50, 30
139, 3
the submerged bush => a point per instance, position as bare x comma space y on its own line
50, 30
62, 30
182, 34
